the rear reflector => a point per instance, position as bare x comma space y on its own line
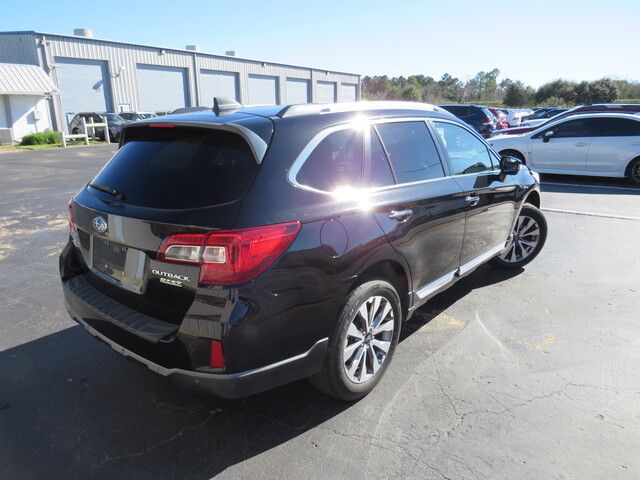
72, 223
217, 354
230, 257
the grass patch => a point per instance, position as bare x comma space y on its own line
41, 138
47, 146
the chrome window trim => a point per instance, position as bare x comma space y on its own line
365, 123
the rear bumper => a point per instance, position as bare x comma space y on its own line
150, 342
233, 385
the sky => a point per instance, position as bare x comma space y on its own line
534, 41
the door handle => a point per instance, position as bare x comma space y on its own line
400, 215
472, 200
581, 144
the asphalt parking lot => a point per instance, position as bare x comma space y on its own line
528, 375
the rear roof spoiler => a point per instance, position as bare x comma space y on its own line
256, 143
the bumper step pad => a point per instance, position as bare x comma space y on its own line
137, 323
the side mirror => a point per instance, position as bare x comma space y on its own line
547, 136
509, 165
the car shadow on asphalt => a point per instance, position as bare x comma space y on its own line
589, 185
72, 408
484, 276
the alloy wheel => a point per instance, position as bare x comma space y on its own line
368, 339
635, 173
526, 236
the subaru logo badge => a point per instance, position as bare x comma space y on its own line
100, 224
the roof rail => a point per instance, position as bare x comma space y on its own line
224, 105
319, 108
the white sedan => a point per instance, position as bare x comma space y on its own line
597, 144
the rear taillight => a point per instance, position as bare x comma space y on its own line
487, 121
230, 257
217, 354
72, 223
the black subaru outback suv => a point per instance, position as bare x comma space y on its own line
242, 249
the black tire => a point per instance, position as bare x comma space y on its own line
519, 260
514, 153
333, 379
634, 171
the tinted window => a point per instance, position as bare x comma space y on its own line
458, 110
618, 127
177, 168
412, 151
336, 162
379, 173
467, 154
583, 127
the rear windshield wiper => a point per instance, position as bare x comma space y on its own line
111, 191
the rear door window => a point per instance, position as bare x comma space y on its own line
335, 163
466, 152
412, 151
379, 172
179, 168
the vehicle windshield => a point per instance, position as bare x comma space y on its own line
113, 118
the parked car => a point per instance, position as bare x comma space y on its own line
480, 118
501, 118
598, 107
133, 116
515, 116
114, 124
543, 117
596, 144
247, 250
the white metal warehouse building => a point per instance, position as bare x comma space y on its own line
105, 76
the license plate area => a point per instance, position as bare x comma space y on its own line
118, 264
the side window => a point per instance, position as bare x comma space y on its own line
379, 173
618, 127
412, 151
467, 153
573, 128
335, 162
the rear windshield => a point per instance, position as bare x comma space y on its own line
180, 167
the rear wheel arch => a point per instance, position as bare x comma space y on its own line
391, 271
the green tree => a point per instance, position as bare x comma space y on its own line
518, 95
451, 88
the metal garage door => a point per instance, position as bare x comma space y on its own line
263, 90
84, 86
326, 92
347, 92
297, 90
161, 88
217, 84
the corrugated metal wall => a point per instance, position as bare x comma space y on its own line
19, 48
123, 60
